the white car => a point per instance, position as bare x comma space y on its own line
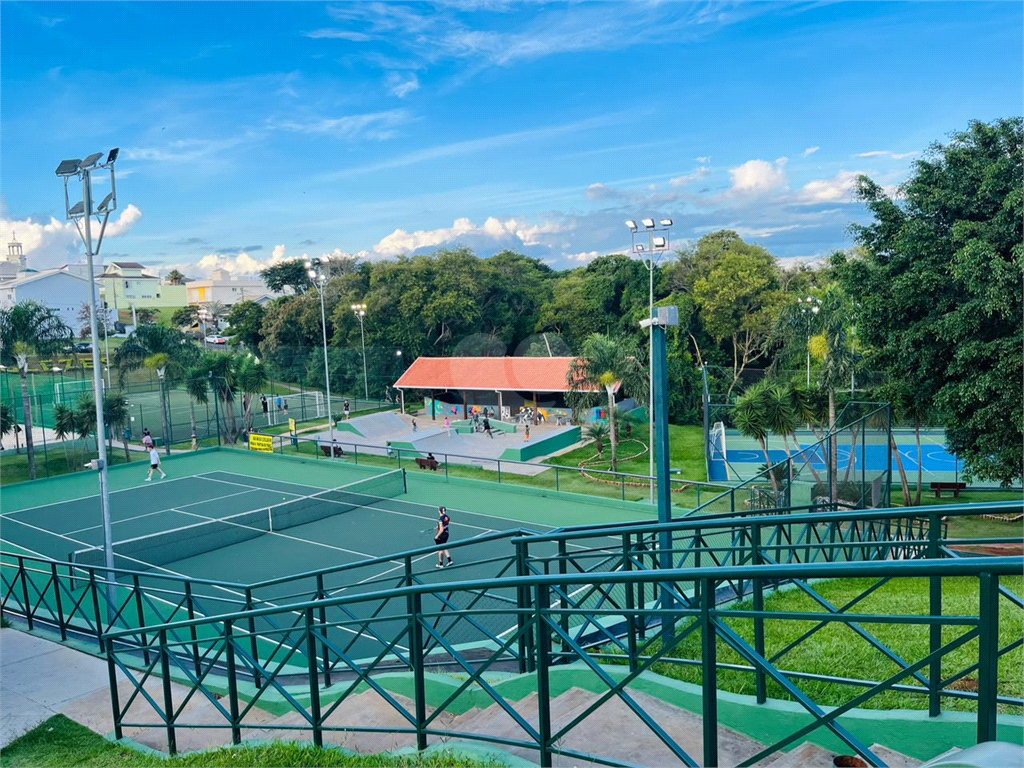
216, 338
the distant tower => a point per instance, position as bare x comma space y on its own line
14, 254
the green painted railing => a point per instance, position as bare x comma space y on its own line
220, 667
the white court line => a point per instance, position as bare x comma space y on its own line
96, 495
160, 512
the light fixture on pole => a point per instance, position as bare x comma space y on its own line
360, 312
809, 307
81, 213
656, 244
318, 276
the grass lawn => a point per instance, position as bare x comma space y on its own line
836, 650
14, 467
686, 453
970, 527
62, 742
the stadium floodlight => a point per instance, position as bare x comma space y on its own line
666, 222
90, 161
112, 157
631, 224
648, 223
68, 167
660, 243
638, 248
77, 209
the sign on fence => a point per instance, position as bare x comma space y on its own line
261, 443
291, 426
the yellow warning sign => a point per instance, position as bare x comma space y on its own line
261, 443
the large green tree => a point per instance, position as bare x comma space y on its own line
28, 328
939, 282
246, 318
287, 274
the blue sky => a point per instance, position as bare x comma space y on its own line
262, 131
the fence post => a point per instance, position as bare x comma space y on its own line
499, 471
24, 591
759, 677
521, 604
253, 646
96, 608
415, 606
627, 564
142, 620
709, 677
563, 567
988, 656
314, 681
229, 652
115, 702
165, 676
190, 609
325, 650
935, 609
543, 691
57, 599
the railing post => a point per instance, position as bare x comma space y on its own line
556, 479
229, 652
563, 567
253, 645
988, 656
314, 681
191, 610
57, 599
165, 676
543, 640
709, 675
415, 606
627, 565
521, 604
760, 686
24, 591
934, 609
115, 702
324, 648
96, 609
142, 619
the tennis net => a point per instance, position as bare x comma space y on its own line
157, 549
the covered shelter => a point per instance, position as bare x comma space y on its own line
500, 386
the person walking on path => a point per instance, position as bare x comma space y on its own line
147, 439
264, 404
527, 432
346, 410
279, 402
448, 426
195, 442
415, 426
441, 537
487, 427
154, 464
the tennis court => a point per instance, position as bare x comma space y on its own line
240, 520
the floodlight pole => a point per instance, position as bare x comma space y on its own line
360, 313
97, 385
316, 274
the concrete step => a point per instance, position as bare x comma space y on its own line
893, 758
807, 755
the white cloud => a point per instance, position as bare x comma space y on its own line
55, 242
584, 256
840, 188
338, 34
494, 230
373, 125
706, 160
402, 86
279, 251
757, 177
810, 151
886, 153
680, 181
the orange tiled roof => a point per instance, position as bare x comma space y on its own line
523, 374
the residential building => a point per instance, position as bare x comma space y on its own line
63, 292
223, 287
127, 284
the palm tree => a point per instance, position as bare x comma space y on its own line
251, 378
174, 277
606, 364
806, 410
598, 432
116, 415
197, 385
216, 310
65, 425
30, 328
221, 370
764, 408
159, 348
6, 423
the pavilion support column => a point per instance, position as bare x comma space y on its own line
465, 405
536, 405
401, 398
499, 405
433, 405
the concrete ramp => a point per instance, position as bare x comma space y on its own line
379, 425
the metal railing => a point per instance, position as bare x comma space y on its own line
422, 616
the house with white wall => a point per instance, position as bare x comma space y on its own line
228, 290
128, 283
63, 292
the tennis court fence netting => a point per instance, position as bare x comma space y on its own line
159, 549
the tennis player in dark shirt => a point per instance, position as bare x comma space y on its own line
441, 537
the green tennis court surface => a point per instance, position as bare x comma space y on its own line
238, 519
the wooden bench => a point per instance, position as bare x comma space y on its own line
326, 451
427, 464
939, 487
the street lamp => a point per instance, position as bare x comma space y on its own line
81, 213
809, 307
315, 268
655, 244
360, 312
